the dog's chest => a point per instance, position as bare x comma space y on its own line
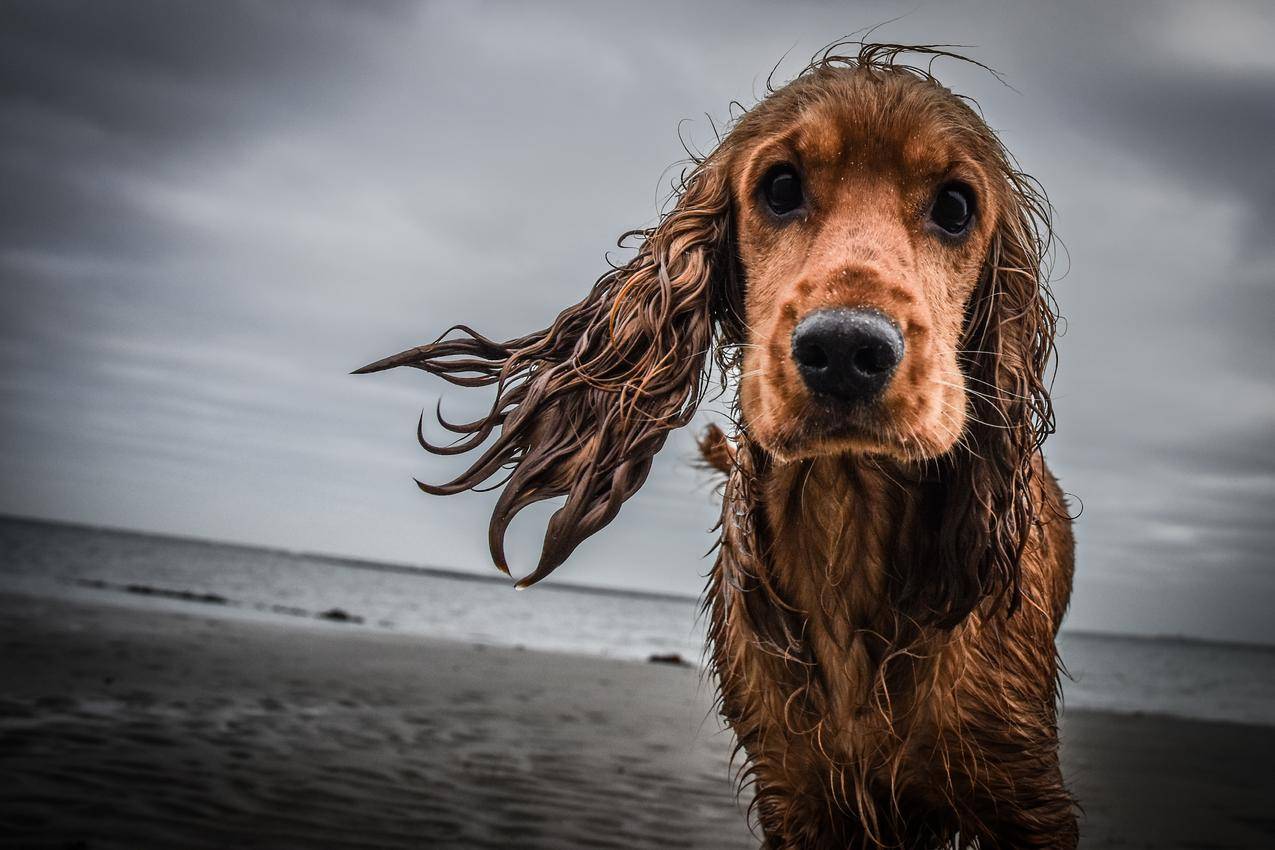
877, 684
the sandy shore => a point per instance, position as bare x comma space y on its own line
128, 726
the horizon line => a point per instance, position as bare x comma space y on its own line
371, 564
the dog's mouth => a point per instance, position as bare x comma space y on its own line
827, 427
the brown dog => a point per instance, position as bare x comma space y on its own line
895, 558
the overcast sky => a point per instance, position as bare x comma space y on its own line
211, 212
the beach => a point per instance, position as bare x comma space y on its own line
129, 724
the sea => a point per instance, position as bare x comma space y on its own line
1181, 678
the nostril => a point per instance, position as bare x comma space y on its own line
873, 359
811, 355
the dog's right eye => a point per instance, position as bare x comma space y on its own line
781, 188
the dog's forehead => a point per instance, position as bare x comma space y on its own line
862, 127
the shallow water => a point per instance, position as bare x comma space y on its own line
1176, 677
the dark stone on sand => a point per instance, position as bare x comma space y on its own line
339, 615
668, 658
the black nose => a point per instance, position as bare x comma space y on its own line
846, 354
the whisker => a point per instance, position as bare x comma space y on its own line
980, 393
971, 417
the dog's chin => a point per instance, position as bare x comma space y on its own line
832, 430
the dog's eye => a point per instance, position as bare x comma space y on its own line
953, 208
782, 189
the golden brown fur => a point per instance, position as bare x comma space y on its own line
890, 579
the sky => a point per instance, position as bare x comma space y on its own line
212, 212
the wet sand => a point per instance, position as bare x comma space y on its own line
130, 725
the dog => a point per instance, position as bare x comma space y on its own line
862, 256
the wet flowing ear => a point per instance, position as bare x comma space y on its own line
583, 406
986, 500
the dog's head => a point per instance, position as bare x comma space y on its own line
861, 248
878, 222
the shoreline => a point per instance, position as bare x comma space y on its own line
487, 576
132, 725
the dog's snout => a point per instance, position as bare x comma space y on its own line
847, 354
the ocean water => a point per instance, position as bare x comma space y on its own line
1176, 677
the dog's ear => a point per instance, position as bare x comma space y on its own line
583, 406
987, 500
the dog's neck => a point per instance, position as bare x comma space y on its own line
830, 534
834, 525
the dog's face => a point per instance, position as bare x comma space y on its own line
863, 221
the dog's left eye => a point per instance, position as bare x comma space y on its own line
953, 208
782, 189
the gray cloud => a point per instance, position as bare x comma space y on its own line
213, 212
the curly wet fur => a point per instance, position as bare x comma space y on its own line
881, 622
